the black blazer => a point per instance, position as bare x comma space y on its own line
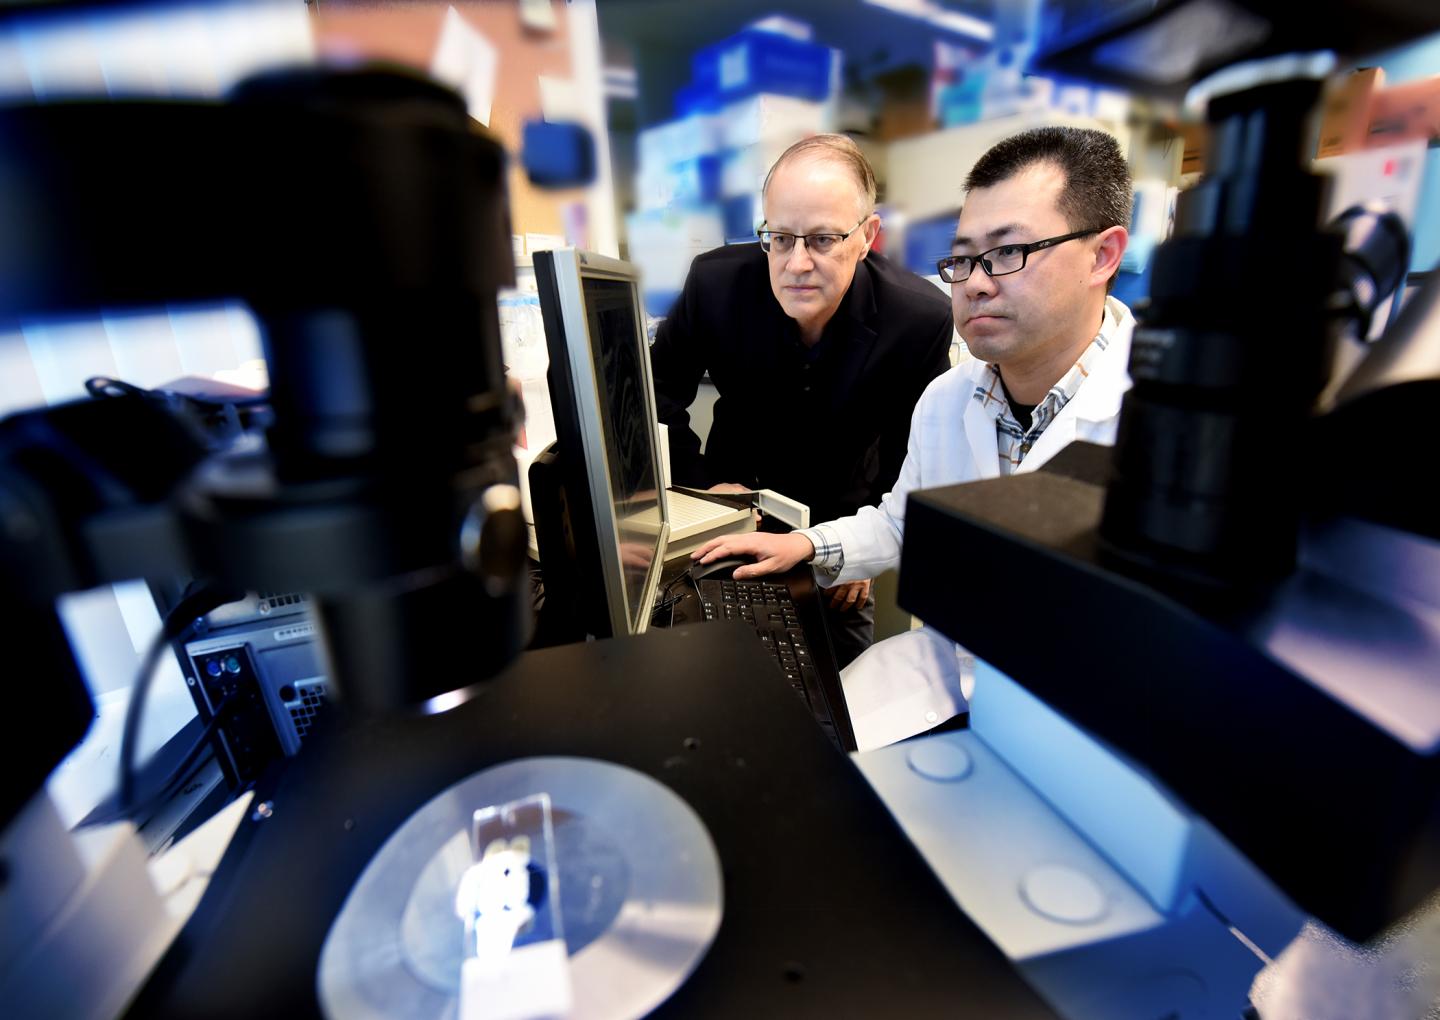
828, 427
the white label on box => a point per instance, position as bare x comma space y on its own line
735, 67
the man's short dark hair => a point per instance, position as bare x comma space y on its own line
1097, 192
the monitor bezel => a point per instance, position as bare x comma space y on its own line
572, 266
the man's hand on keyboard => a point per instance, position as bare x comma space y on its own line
774, 554
850, 594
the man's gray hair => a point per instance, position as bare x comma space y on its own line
839, 149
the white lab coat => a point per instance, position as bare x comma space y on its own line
908, 683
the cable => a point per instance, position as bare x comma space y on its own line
181, 618
100, 386
668, 601
216, 422
689, 575
670, 604
1238, 935
178, 776
103, 386
182, 772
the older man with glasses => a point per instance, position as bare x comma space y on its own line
1036, 250
819, 348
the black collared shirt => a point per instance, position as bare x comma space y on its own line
826, 425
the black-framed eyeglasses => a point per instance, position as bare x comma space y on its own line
780, 243
1001, 261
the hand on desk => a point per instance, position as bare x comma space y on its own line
850, 594
774, 554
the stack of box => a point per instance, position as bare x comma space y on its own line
699, 177
756, 130
1362, 113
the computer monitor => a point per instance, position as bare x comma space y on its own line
600, 516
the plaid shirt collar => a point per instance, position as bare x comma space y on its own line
1013, 441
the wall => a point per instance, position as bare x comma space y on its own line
552, 73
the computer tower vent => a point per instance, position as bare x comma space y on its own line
275, 600
309, 700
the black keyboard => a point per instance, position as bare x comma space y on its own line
767, 608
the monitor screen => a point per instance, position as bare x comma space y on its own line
628, 427
603, 562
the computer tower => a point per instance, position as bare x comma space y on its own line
260, 660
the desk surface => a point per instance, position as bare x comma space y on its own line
828, 909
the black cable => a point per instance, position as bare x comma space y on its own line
689, 575
181, 617
180, 773
670, 604
178, 776
129, 735
668, 601
1239, 936
103, 386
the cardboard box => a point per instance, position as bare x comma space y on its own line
1347, 111
1195, 138
905, 106
1404, 112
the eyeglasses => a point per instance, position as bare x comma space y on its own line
780, 243
1001, 261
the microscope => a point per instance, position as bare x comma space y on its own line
365, 223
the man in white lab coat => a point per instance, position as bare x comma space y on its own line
1037, 246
